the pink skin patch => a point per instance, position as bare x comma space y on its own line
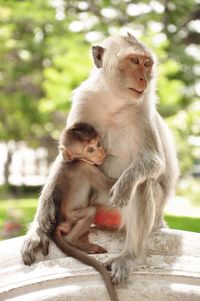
108, 217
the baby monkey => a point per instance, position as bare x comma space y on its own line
74, 185
78, 182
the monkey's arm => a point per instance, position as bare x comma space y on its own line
80, 111
37, 235
99, 180
50, 196
149, 164
43, 222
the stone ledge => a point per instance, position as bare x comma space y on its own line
172, 271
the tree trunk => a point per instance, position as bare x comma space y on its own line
10, 151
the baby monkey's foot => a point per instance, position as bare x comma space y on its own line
95, 249
91, 248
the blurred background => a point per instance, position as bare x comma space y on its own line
45, 54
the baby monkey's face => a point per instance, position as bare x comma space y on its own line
93, 152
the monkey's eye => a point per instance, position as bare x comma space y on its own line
90, 149
135, 60
98, 144
147, 63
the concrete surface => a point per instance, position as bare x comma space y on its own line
172, 271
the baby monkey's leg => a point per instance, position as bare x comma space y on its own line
78, 236
65, 227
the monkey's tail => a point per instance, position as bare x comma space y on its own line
84, 258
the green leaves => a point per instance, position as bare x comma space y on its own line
43, 58
170, 88
66, 72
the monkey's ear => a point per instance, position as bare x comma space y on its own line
66, 153
131, 36
97, 52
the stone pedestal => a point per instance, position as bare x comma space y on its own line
172, 271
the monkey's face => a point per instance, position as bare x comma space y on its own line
93, 152
127, 65
134, 74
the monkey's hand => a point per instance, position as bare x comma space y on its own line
34, 241
120, 193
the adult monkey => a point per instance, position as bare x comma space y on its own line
119, 100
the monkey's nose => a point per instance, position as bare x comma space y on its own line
143, 82
102, 155
101, 158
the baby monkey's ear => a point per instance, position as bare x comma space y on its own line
66, 153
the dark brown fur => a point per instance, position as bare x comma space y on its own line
81, 132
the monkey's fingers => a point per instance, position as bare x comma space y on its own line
45, 246
119, 269
108, 265
101, 249
95, 249
28, 253
28, 258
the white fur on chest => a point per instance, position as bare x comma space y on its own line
120, 136
116, 120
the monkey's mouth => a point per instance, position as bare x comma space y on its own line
99, 163
92, 162
137, 91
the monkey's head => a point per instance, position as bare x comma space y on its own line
82, 142
126, 64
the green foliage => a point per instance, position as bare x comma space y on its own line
44, 55
66, 72
170, 88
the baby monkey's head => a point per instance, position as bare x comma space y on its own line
82, 142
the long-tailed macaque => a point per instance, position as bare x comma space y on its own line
119, 101
73, 180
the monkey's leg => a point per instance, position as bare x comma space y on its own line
85, 245
65, 227
138, 226
108, 217
76, 236
34, 240
162, 191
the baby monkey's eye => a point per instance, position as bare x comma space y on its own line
90, 149
98, 143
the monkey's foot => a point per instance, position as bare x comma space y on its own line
91, 248
95, 249
119, 268
31, 244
